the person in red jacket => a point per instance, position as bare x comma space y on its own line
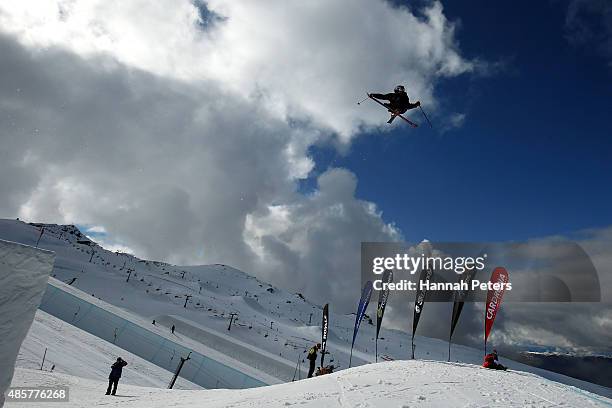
491, 361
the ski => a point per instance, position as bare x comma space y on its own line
395, 114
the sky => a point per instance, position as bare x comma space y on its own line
228, 132
533, 156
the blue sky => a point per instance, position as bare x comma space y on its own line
534, 156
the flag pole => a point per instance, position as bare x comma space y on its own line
376, 349
485, 334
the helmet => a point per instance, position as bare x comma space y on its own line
399, 88
318, 345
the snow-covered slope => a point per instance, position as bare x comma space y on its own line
206, 367
390, 384
23, 277
75, 352
271, 321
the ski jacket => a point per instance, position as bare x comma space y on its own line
397, 100
312, 354
490, 361
116, 370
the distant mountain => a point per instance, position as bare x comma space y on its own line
595, 369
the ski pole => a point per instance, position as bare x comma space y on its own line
296, 368
426, 117
360, 102
43, 361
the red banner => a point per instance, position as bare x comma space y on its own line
494, 298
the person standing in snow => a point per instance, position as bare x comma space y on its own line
312, 356
491, 361
115, 375
172, 329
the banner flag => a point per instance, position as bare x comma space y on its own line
324, 331
460, 296
383, 297
426, 275
366, 294
494, 300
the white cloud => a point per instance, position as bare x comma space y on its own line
306, 60
169, 174
315, 237
96, 229
186, 144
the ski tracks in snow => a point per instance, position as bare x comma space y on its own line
345, 387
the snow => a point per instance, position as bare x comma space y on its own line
271, 333
73, 351
208, 367
23, 277
399, 384
244, 352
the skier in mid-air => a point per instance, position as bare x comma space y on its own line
312, 356
491, 361
115, 375
398, 101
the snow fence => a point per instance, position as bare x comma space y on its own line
261, 360
144, 343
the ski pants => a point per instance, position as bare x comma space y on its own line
393, 108
311, 370
112, 382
